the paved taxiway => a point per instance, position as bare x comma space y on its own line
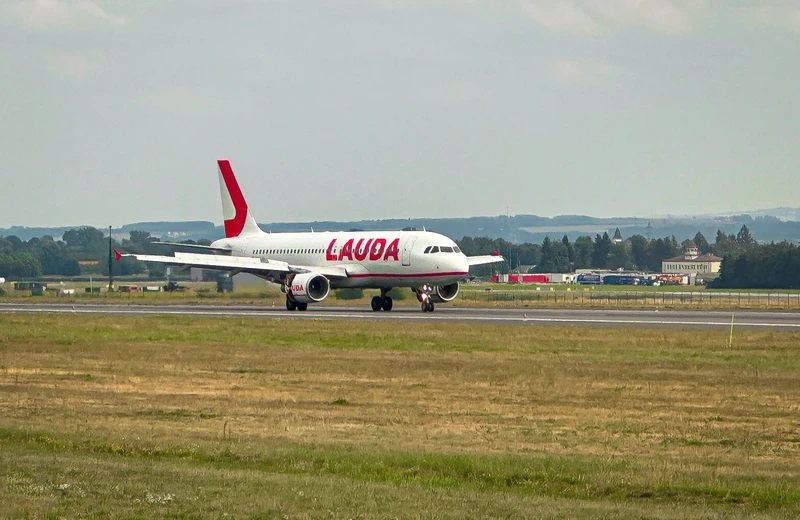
596, 317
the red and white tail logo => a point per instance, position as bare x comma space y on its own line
236, 214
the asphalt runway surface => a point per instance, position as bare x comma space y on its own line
567, 316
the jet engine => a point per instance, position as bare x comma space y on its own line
444, 293
308, 288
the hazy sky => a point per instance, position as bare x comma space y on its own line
113, 112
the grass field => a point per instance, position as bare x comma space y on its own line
471, 295
165, 417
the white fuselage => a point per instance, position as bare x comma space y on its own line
373, 259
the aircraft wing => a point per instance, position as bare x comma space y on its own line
270, 269
485, 259
209, 249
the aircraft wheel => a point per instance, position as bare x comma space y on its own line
302, 306
290, 305
427, 306
376, 303
387, 303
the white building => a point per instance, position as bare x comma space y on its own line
690, 262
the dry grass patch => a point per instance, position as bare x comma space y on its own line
576, 421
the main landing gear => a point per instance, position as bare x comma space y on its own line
382, 302
292, 305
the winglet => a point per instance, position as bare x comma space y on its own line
495, 254
117, 255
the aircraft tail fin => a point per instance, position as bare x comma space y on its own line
236, 214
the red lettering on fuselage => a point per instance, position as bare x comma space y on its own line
361, 254
392, 251
377, 251
329, 256
374, 249
347, 251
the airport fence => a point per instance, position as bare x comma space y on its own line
639, 298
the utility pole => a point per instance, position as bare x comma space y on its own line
110, 264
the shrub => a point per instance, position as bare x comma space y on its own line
398, 294
349, 294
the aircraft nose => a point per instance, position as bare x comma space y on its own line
460, 263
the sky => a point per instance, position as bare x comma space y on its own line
113, 112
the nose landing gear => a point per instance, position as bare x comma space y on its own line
424, 297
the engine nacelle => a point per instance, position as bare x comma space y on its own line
444, 293
308, 288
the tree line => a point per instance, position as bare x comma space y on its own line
745, 264
81, 251
601, 252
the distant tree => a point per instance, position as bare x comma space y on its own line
725, 245
19, 265
640, 253
529, 254
584, 249
569, 248
82, 238
768, 266
602, 247
554, 259
140, 237
16, 243
702, 244
744, 237
547, 262
618, 257
54, 257
660, 250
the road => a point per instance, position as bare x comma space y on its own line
597, 317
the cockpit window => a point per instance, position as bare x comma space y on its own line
447, 249
456, 249
427, 250
435, 249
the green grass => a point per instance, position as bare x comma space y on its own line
480, 294
200, 418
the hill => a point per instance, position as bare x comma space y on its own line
764, 226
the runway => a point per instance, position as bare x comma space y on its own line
590, 317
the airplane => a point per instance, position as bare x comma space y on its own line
308, 265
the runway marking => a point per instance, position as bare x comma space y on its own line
393, 316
